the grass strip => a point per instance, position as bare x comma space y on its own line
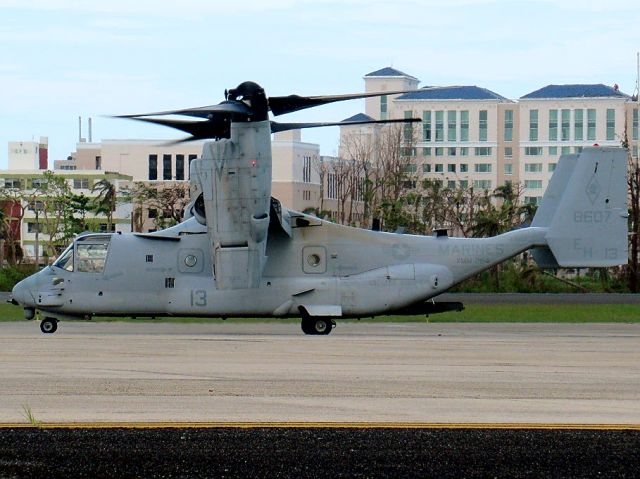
473, 313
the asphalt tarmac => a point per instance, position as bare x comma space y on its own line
318, 453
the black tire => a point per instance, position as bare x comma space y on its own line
48, 325
316, 326
307, 325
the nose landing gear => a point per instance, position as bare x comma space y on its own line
49, 325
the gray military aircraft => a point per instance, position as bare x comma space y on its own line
239, 253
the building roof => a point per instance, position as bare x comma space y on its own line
576, 91
452, 93
388, 72
359, 117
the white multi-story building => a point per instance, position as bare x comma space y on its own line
28, 155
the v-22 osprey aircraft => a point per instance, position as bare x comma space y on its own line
240, 253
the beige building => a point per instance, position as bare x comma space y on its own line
471, 136
144, 160
343, 189
157, 163
466, 135
560, 119
296, 171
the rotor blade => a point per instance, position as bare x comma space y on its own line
280, 105
182, 140
277, 127
197, 129
201, 111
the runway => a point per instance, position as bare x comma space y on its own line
536, 374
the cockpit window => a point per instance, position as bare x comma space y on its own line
65, 261
91, 253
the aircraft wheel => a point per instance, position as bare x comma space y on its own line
311, 325
322, 326
48, 325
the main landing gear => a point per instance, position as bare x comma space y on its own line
316, 325
49, 325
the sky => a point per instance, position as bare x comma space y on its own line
60, 59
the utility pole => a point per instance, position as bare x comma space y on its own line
37, 245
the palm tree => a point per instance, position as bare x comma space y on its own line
509, 209
106, 200
490, 222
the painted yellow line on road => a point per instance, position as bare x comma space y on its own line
323, 425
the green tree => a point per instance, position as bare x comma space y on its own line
54, 193
169, 200
77, 221
434, 211
393, 176
501, 211
633, 187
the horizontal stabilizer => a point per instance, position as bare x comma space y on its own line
544, 258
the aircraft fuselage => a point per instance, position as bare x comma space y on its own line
318, 267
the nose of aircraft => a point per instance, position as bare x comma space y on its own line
22, 293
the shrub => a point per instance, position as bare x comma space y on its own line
10, 275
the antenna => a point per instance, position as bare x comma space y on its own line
90, 136
79, 129
637, 92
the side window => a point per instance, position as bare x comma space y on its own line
91, 254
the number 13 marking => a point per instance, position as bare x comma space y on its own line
198, 297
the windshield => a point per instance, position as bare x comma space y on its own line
91, 253
65, 261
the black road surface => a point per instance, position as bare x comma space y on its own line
319, 452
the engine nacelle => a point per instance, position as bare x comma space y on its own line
231, 185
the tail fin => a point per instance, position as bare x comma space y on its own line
553, 194
585, 209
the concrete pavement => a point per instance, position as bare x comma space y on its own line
402, 372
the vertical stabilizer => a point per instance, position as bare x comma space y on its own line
544, 215
589, 225
553, 193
